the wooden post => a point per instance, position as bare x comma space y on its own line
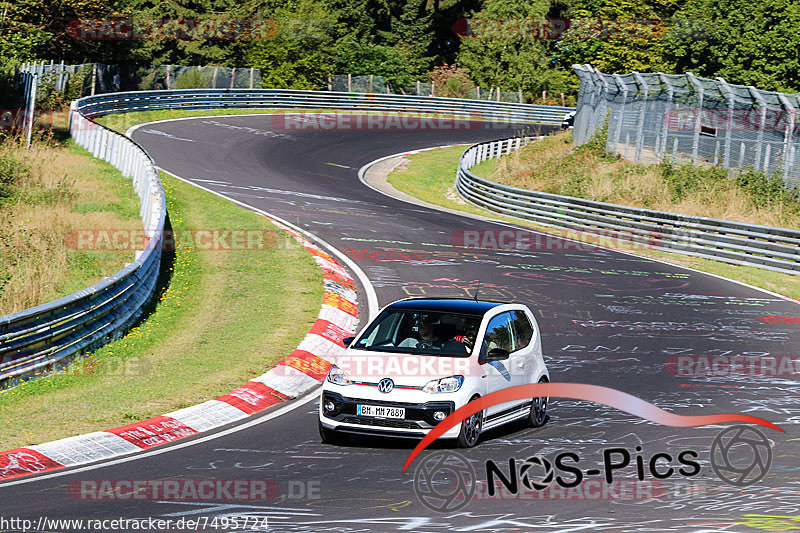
418, 88
544, 96
498, 94
433, 89
330, 83
168, 69
214, 79
520, 96
563, 101
251, 77
478, 88
349, 83
370, 83
233, 76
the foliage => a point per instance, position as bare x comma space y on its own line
191, 79
452, 81
748, 43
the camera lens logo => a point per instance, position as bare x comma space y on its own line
445, 482
741, 455
525, 475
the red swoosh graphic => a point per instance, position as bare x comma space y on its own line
580, 391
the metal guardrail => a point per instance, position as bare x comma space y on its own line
739, 243
47, 337
297, 99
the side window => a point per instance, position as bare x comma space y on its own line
498, 334
523, 329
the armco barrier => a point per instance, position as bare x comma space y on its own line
739, 243
296, 99
47, 337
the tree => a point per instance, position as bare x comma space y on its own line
507, 56
749, 43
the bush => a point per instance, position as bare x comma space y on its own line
191, 79
11, 170
451, 81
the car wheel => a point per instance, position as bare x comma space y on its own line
470, 430
329, 436
538, 414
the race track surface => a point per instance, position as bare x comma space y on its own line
606, 318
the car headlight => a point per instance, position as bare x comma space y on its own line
451, 384
337, 376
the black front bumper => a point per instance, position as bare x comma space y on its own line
418, 415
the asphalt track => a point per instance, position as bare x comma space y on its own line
607, 318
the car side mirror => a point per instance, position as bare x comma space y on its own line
347, 341
496, 354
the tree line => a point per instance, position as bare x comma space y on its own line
517, 45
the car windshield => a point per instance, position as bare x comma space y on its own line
421, 332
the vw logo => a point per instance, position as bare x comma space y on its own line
385, 385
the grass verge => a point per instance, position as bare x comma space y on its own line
430, 177
223, 319
47, 193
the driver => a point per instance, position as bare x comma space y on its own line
429, 336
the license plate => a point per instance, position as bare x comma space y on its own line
380, 411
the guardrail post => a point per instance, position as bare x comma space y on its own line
697, 125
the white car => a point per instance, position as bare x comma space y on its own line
421, 359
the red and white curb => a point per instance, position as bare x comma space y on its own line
298, 373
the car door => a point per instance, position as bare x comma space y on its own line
525, 345
499, 374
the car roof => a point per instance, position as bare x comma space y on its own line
445, 305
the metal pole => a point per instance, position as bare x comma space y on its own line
642, 108
763, 108
787, 136
31, 104
696, 140
726, 154
620, 119
665, 127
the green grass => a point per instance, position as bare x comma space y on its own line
430, 176
225, 317
47, 193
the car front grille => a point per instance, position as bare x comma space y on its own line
404, 424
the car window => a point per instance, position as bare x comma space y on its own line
498, 334
523, 330
421, 332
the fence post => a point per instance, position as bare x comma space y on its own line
349, 83
600, 112
214, 78
696, 139
31, 105
370, 82
233, 76
251, 77
762, 123
726, 152
665, 128
787, 137
621, 117
640, 133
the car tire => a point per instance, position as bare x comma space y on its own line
538, 414
470, 430
329, 436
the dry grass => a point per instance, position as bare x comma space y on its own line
554, 165
53, 190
